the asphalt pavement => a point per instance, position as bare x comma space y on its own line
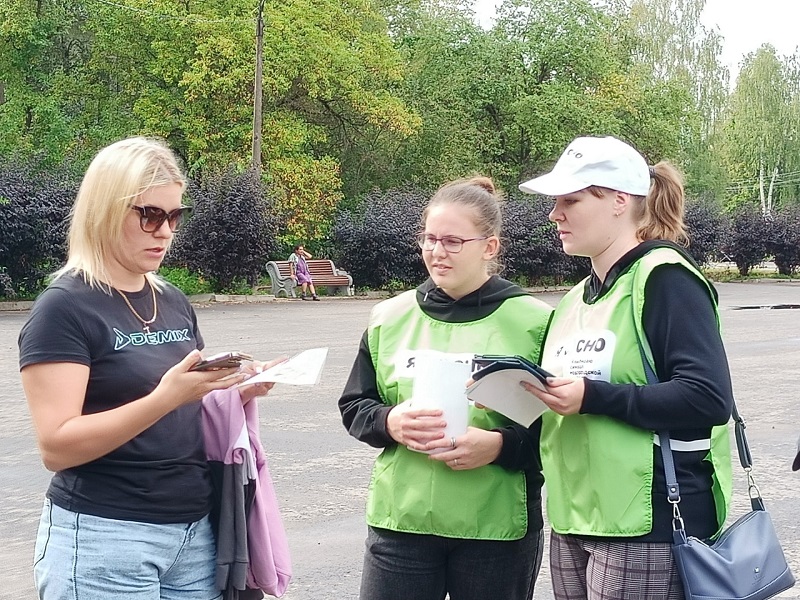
321, 474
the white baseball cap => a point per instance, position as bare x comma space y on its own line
602, 161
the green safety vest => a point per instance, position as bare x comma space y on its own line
410, 492
599, 470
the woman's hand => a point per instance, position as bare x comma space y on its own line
254, 390
415, 427
180, 385
67, 437
476, 448
564, 395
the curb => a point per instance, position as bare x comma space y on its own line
16, 306
206, 299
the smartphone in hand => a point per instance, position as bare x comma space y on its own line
223, 360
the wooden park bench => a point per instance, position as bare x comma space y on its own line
323, 273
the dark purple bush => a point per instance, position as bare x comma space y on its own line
34, 209
374, 241
708, 228
747, 242
784, 239
232, 231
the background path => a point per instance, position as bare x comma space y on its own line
321, 473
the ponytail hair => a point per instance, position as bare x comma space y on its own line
661, 212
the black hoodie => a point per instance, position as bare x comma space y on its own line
364, 413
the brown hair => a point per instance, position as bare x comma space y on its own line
660, 213
479, 195
476, 193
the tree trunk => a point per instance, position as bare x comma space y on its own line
257, 116
768, 212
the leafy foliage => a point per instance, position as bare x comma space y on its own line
232, 232
707, 226
376, 245
784, 240
186, 281
34, 206
362, 95
310, 193
761, 141
747, 243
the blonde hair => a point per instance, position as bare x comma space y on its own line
115, 178
659, 215
479, 195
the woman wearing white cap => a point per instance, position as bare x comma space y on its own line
645, 308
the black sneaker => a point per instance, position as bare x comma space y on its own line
304, 297
314, 298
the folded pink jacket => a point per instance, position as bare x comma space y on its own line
252, 549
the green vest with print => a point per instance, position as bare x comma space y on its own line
408, 491
599, 470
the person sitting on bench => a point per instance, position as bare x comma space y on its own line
300, 272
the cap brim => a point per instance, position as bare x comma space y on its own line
552, 184
796, 463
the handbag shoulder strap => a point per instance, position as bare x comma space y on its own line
742, 448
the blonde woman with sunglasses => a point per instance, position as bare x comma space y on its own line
105, 359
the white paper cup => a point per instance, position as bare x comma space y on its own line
439, 382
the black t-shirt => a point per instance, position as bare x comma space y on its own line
161, 475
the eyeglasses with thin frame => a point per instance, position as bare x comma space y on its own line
151, 218
450, 243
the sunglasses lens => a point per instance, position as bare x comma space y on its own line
152, 218
175, 219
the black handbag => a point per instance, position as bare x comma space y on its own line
746, 561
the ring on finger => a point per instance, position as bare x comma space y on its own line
455, 462
452, 442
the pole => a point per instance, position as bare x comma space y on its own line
257, 117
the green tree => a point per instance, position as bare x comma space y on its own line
79, 74
761, 142
43, 46
672, 49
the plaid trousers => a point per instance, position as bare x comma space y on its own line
610, 570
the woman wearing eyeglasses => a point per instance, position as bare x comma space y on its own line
105, 357
467, 519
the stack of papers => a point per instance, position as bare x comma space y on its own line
498, 386
302, 369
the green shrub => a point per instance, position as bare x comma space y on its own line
189, 283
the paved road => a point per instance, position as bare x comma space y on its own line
321, 473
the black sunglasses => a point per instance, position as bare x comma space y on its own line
151, 218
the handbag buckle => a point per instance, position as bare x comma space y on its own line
677, 519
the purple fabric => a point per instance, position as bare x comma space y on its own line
224, 420
301, 270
